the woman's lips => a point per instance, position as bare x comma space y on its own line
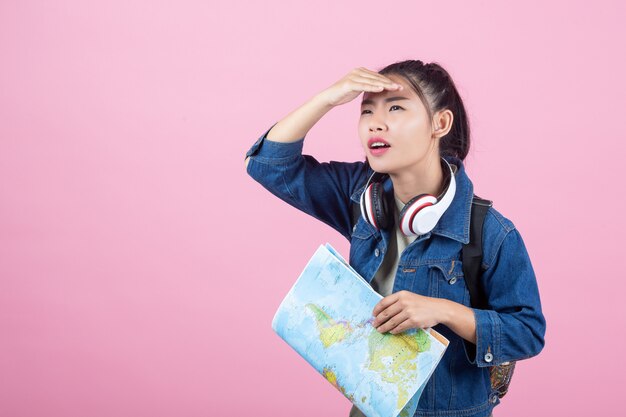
378, 151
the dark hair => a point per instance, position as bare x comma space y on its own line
435, 88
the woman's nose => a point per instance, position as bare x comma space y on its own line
377, 122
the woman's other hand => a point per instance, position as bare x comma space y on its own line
354, 83
405, 310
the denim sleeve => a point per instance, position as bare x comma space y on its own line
320, 189
514, 327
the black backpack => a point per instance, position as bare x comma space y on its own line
472, 255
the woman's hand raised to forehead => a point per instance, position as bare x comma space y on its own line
354, 83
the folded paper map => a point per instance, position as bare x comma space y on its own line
327, 319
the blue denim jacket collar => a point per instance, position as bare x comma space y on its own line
455, 222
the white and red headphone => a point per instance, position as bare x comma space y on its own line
420, 214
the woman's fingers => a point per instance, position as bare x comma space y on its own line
372, 77
387, 314
376, 81
400, 327
373, 86
364, 72
393, 322
368, 87
353, 84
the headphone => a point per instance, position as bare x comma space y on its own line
419, 216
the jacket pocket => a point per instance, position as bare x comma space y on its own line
448, 281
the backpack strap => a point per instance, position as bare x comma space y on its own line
356, 213
500, 375
472, 252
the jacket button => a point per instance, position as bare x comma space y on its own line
453, 280
494, 398
488, 357
377, 252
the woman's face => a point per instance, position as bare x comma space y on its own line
402, 122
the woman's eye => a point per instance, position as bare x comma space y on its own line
395, 105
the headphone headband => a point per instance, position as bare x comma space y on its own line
419, 216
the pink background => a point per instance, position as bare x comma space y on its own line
139, 266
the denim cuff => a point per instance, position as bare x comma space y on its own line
267, 150
486, 351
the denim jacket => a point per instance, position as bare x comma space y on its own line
513, 327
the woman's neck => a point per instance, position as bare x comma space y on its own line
426, 178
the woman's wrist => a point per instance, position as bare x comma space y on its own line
322, 100
459, 318
297, 124
446, 311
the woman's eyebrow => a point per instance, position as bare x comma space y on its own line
387, 100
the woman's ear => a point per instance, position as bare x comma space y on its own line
442, 123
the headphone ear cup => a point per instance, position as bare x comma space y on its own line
379, 206
408, 213
366, 206
362, 204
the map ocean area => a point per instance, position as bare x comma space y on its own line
326, 317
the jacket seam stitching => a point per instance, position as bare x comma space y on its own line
504, 226
497, 250
461, 412
275, 161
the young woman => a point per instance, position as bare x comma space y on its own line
416, 199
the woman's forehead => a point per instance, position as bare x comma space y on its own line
387, 98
